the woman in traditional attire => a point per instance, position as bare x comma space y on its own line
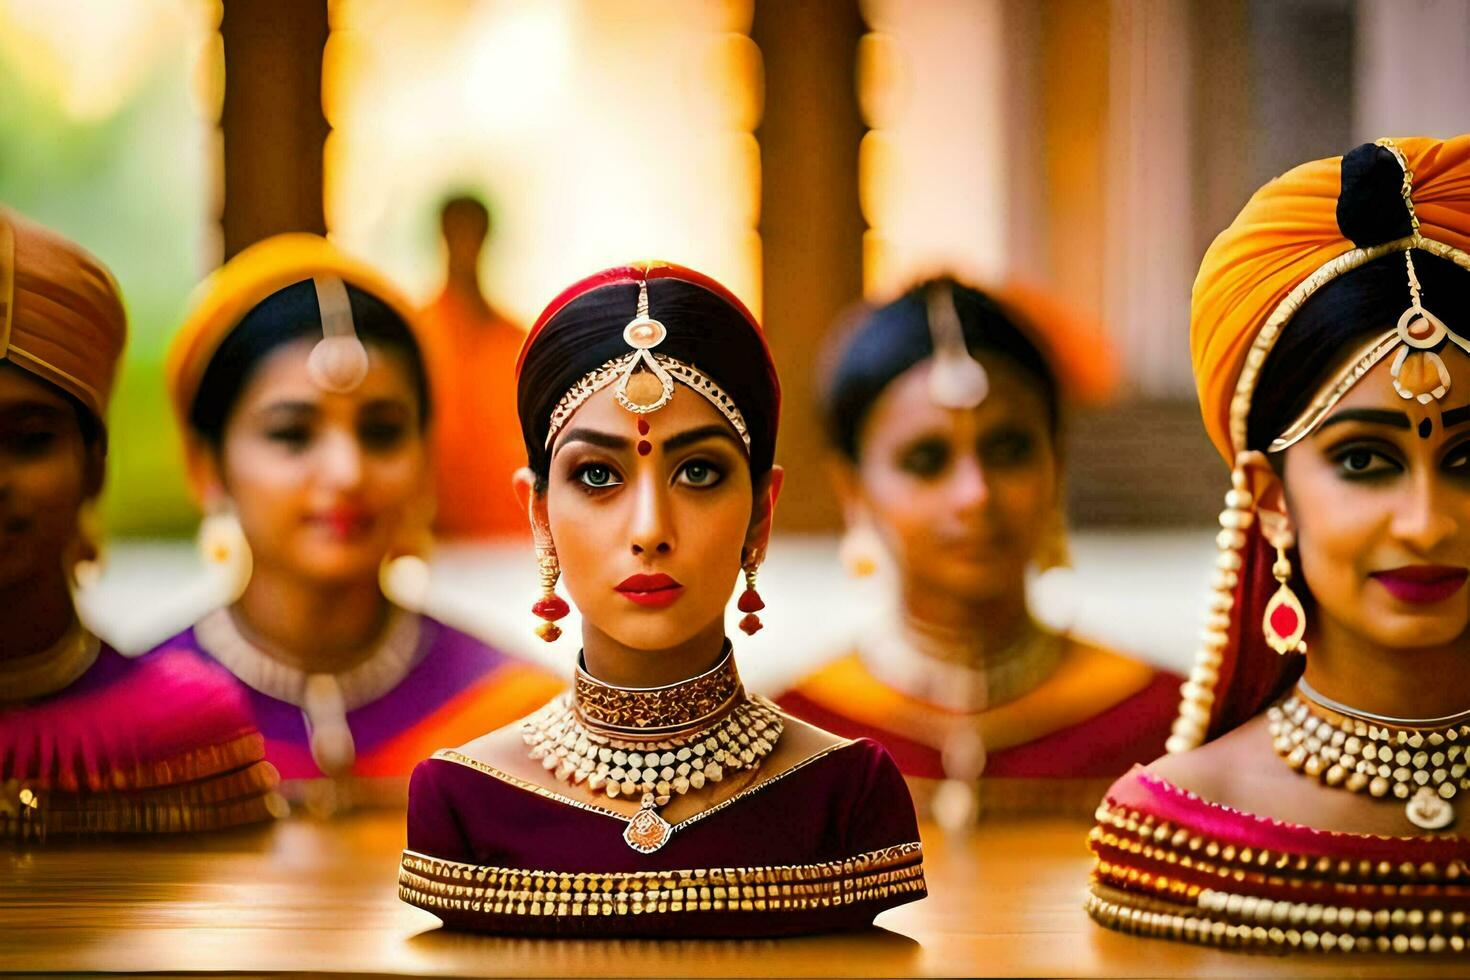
90, 741
658, 797
945, 408
1319, 759
298, 383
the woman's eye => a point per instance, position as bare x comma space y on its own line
597, 476
382, 435
1458, 459
31, 445
294, 436
1010, 449
925, 459
698, 473
1359, 461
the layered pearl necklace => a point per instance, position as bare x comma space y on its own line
1419, 760
657, 742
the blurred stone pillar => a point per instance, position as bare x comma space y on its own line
272, 123
811, 228
1412, 74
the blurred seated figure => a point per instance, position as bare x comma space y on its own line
298, 382
1310, 800
90, 741
945, 410
470, 349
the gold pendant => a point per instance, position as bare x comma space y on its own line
1429, 811
647, 831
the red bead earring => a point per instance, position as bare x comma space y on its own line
750, 602
550, 606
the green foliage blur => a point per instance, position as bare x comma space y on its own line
131, 187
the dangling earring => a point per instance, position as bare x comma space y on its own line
222, 543
750, 600
550, 606
403, 574
1285, 622
83, 559
859, 550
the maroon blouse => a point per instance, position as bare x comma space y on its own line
823, 846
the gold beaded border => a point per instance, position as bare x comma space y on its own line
432, 883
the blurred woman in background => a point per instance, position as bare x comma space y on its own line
1319, 763
945, 409
90, 741
299, 385
658, 797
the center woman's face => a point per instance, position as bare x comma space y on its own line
961, 498
323, 483
1379, 497
649, 516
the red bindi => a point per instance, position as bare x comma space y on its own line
643, 427
644, 447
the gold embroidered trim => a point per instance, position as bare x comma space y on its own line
197, 764
431, 883
1189, 848
1280, 925
242, 797
450, 755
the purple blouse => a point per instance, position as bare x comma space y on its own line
822, 846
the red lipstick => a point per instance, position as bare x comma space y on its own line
343, 523
1422, 584
656, 591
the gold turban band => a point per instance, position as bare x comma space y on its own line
1286, 244
61, 315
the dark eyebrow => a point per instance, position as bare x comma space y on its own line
288, 406
1375, 415
605, 440
1454, 417
712, 431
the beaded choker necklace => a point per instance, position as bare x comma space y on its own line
1420, 761
659, 742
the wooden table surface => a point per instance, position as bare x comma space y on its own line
321, 896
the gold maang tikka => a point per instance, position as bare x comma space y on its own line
956, 379
339, 362
1419, 373
644, 379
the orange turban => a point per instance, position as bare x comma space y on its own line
61, 315
223, 299
1285, 244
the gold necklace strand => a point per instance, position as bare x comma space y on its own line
660, 766
1425, 767
51, 670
